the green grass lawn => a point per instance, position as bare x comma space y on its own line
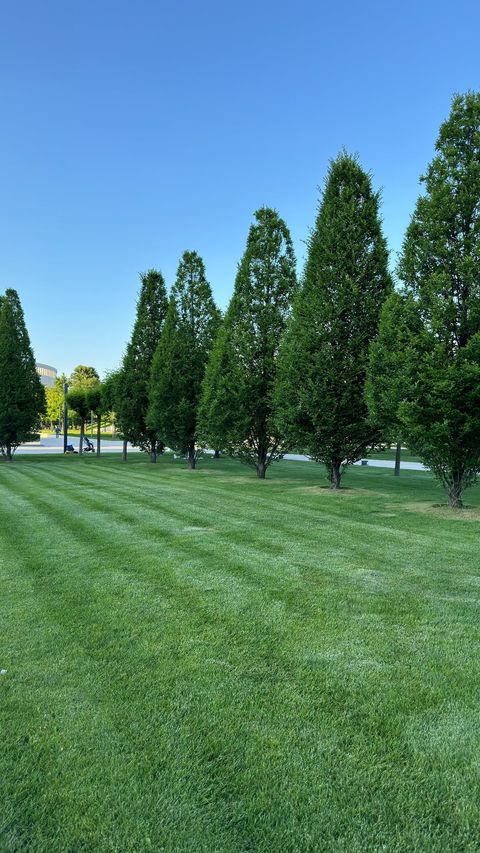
199, 661
390, 454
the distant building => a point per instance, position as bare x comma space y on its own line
47, 374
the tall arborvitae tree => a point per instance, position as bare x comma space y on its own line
179, 364
134, 377
22, 396
440, 268
321, 389
237, 412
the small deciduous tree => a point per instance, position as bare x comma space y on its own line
78, 400
237, 409
22, 396
97, 404
54, 398
83, 377
321, 387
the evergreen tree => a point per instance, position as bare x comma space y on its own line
321, 388
439, 267
179, 364
134, 378
237, 410
22, 396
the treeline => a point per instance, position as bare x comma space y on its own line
342, 359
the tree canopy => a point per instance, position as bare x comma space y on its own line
83, 377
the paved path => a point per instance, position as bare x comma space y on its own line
371, 463
55, 445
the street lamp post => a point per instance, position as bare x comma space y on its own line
65, 417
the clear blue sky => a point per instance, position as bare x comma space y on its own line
131, 131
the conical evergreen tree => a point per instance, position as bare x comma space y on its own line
179, 364
237, 402
439, 265
321, 390
22, 396
134, 377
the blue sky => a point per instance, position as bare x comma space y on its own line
131, 131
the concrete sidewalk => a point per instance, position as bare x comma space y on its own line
370, 463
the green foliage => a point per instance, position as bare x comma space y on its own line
390, 355
133, 380
439, 266
83, 377
179, 364
78, 400
95, 399
237, 410
54, 400
321, 387
22, 396
111, 390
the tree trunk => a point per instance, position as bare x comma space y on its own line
335, 475
82, 433
99, 427
261, 470
8, 454
124, 450
456, 489
153, 451
192, 459
216, 455
398, 454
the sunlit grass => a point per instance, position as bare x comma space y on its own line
199, 661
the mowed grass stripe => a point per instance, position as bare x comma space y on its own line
249, 528
276, 710
122, 661
245, 544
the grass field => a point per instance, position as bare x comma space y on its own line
199, 661
390, 455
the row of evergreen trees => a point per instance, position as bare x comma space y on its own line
288, 364
332, 364
340, 361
